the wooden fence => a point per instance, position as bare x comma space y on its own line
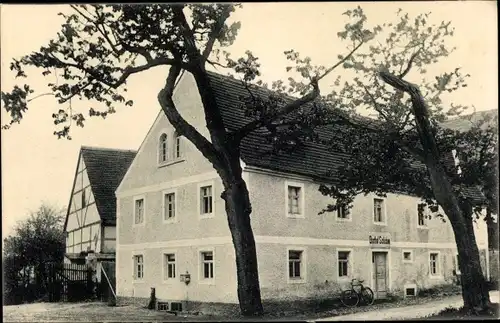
69, 282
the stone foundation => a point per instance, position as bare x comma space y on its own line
134, 301
274, 306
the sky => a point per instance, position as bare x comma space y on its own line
37, 167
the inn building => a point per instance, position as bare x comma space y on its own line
173, 236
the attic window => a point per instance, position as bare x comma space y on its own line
163, 148
177, 145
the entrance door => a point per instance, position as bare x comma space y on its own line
379, 260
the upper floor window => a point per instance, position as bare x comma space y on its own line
206, 201
169, 204
343, 212
378, 211
163, 148
139, 211
294, 199
138, 266
422, 214
177, 145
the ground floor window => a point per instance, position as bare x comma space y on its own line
407, 256
169, 266
207, 265
434, 264
343, 263
295, 264
138, 266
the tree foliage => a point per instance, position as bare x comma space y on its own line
39, 238
36, 241
385, 152
100, 46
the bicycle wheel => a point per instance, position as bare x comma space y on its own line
367, 296
349, 298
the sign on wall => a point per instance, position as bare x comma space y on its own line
379, 239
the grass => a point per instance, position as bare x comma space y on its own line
101, 312
452, 313
331, 309
92, 311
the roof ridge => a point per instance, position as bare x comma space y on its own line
107, 149
312, 161
263, 90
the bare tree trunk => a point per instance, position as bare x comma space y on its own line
238, 209
474, 290
224, 156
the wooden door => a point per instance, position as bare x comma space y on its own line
379, 260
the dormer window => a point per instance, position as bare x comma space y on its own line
163, 148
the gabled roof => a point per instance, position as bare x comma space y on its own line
313, 160
105, 169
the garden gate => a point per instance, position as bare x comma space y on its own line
70, 282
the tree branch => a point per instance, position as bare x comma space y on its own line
410, 148
117, 52
254, 125
396, 82
187, 33
127, 71
412, 58
375, 104
40, 95
420, 112
180, 124
239, 134
328, 71
216, 63
406, 120
213, 117
214, 34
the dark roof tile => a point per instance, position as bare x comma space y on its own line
314, 160
106, 168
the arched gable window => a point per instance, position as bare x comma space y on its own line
163, 148
177, 145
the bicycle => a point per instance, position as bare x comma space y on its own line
352, 297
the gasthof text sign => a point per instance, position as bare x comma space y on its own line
379, 240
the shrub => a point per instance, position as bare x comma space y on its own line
457, 313
441, 290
